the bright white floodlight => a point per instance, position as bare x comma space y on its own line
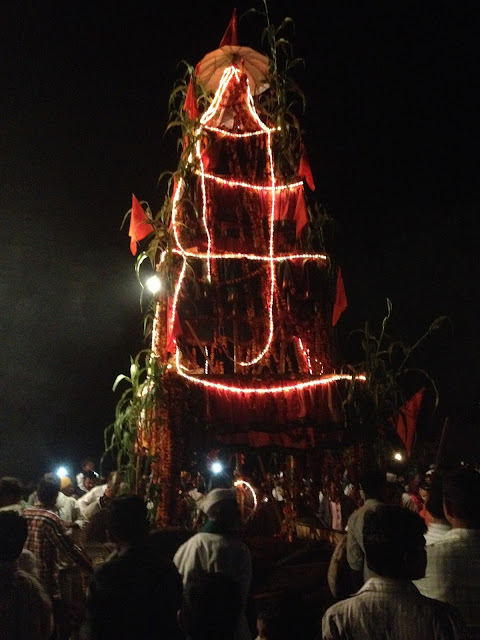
216, 467
61, 472
398, 456
154, 284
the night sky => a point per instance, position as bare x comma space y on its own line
392, 132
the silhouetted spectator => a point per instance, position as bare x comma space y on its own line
211, 606
11, 495
218, 548
389, 605
335, 508
11, 500
374, 487
453, 563
285, 617
136, 594
25, 608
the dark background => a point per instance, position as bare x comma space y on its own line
392, 134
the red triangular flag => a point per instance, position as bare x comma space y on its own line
304, 170
139, 225
174, 329
301, 217
340, 299
230, 35
407, 419
190, 105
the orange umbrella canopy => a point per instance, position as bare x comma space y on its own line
210, 69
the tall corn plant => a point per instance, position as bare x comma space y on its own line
390, 373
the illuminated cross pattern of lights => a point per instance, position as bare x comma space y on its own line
272, 189
247, 485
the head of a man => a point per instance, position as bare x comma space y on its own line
13, 534
461, 498
89, 480
434, 500
374, 483
127, 520
333, 490
88, 464
284, 617
10, 491
221, 506
48, 490
211, 607
394, 542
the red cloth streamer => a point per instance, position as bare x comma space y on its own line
139, 225
172, 331
340, 299
407, 419
230, 35
190, 105
304, 170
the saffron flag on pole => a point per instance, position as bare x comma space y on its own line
230, 35
139, 225
190, 105
407, 419
340, 299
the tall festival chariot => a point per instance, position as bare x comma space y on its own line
243, 353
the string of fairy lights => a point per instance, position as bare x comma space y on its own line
271, 189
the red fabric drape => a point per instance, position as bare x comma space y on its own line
139, 225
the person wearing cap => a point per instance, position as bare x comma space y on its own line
217, 548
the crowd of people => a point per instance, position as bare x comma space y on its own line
79, 561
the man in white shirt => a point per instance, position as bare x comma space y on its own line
217, 548
453, 563
389, 605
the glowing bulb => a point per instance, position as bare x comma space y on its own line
61, 472
216, 467
398, 456
154, 284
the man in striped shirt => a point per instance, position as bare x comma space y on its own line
46, 538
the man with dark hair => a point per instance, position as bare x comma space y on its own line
136, 594
25, 608
389, 605
218, 548
11, 495
453, 563
211, 606
373, 484
87, 467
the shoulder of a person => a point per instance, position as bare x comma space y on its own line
28, 581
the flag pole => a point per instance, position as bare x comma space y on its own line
441, 444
